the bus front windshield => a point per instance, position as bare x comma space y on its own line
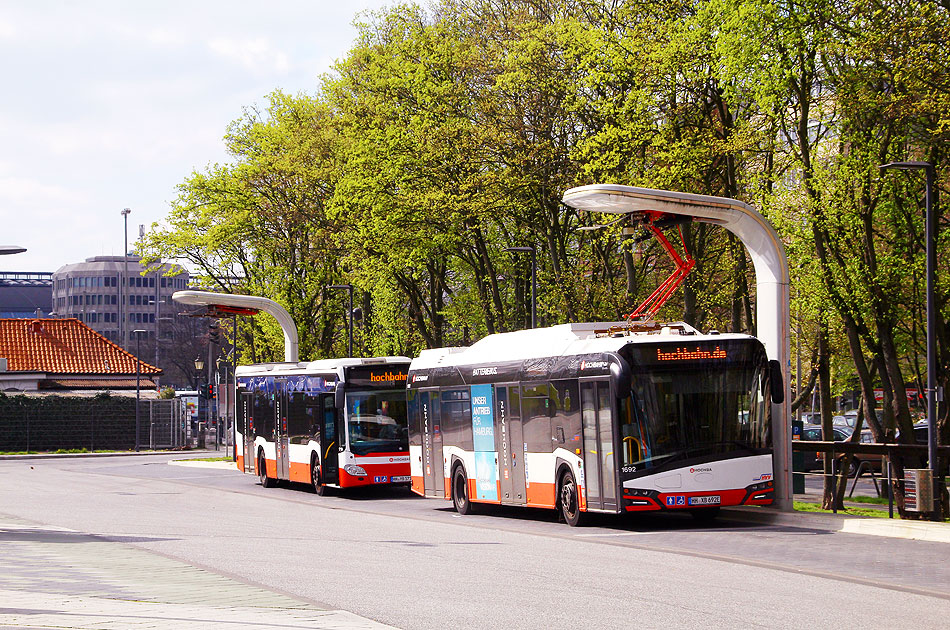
675, 417
376, 422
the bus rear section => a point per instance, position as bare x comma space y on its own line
613, 424
333, 424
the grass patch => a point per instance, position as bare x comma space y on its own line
872, 500
802, 506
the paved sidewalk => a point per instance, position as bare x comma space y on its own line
845, 523
57, 578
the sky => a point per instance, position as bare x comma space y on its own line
112, 104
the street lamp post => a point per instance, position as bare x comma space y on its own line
138, 377
349, 289
123, 295
199, 366
534, 281
932, 393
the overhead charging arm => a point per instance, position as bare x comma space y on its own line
684, 264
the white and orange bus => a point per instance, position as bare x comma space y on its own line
335, 423
595, 418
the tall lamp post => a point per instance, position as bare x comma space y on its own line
138, 380
123, 295
349, 289
534, 281
932, 393
199, 366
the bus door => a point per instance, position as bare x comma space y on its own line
509, 444
246, 427
433, 469
329, 440
599, 452
281, 438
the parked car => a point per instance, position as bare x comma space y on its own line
813, 459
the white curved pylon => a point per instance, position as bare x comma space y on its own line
771, 275
206, 298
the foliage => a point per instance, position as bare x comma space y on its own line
447, 135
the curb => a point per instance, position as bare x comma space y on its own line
892, 528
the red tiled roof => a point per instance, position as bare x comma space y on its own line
63, 346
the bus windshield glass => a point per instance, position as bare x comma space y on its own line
693, 403
376, 422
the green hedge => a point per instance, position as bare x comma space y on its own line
50, 423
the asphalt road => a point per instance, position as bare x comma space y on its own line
414, 563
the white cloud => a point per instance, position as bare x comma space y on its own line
111, 104
7, 31
33, 193
255, 55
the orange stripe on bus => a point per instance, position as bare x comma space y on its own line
300, 472
541, 495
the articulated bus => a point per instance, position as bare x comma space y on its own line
586, 418
336, 423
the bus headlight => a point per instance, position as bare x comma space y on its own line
353, 469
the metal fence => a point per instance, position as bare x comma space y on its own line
103, 422
162, 423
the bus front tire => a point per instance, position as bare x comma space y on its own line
315, 478
266, 482
460, 492
568, 502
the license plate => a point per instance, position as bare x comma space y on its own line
403, 479
713, 500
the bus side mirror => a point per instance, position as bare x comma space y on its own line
339, 396
776, 381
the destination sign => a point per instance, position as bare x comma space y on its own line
686, 354
378, 375
708, 354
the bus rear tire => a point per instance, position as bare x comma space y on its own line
266, 482
568, 501
460, 499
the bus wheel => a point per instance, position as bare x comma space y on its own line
568, 501
318, 485
266, 482
460, 492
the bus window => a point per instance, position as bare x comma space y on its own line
298, 420
377, 422
537, 409
264, 414
567, 415
456, 424
635, 447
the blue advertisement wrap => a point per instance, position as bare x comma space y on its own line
483, 432
486, 476
483, 418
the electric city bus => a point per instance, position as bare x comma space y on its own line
335, 423
585, 418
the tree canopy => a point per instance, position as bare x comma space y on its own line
447, 135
